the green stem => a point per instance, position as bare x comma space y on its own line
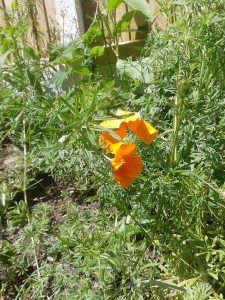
116, 37
182, 88
143, 230
177, 122
25, 190
1, 232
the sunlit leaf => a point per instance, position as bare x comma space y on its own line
141, 6
97, 51
3, 58
61, 75
162, 285
113, 4
136, 70
125, 21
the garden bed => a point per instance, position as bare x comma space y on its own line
113, 176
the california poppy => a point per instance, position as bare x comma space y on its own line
125, 165
131, 120
106, 140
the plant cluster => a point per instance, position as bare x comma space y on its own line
85, 237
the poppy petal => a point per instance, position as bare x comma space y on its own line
127, 115
121, 132
106, 140
115, 123
124, 181
143, 130
127, 149
116, 165
124, 165
113, 148
131, 167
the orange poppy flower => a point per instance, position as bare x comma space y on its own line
124, 165
107, 141
133, 121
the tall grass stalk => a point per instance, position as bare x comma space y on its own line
24, 134
180, 98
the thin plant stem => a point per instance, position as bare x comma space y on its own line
47, 22
116, 38
31, 6
1, 232
25, 190
144, 231
177, 123
179, 99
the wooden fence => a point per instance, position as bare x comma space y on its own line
89, 8
37, 15
132, 39
40, 17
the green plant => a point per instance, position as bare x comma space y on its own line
163, 236
107, 30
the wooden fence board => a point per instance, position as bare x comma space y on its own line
89, 8
40, 15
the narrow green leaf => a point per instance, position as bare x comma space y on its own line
82, 71
108, 130
97, 51
162, 285
149, 265
63, 240
125, 21
34, 82
213, 275
92, 33
61, 75
65, 128
3, 59
140, 5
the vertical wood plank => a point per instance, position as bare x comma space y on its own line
89, 8
2, 14
4, 5
41, 17
42, 13
158, 21
45, 23
125, 36
140, 26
